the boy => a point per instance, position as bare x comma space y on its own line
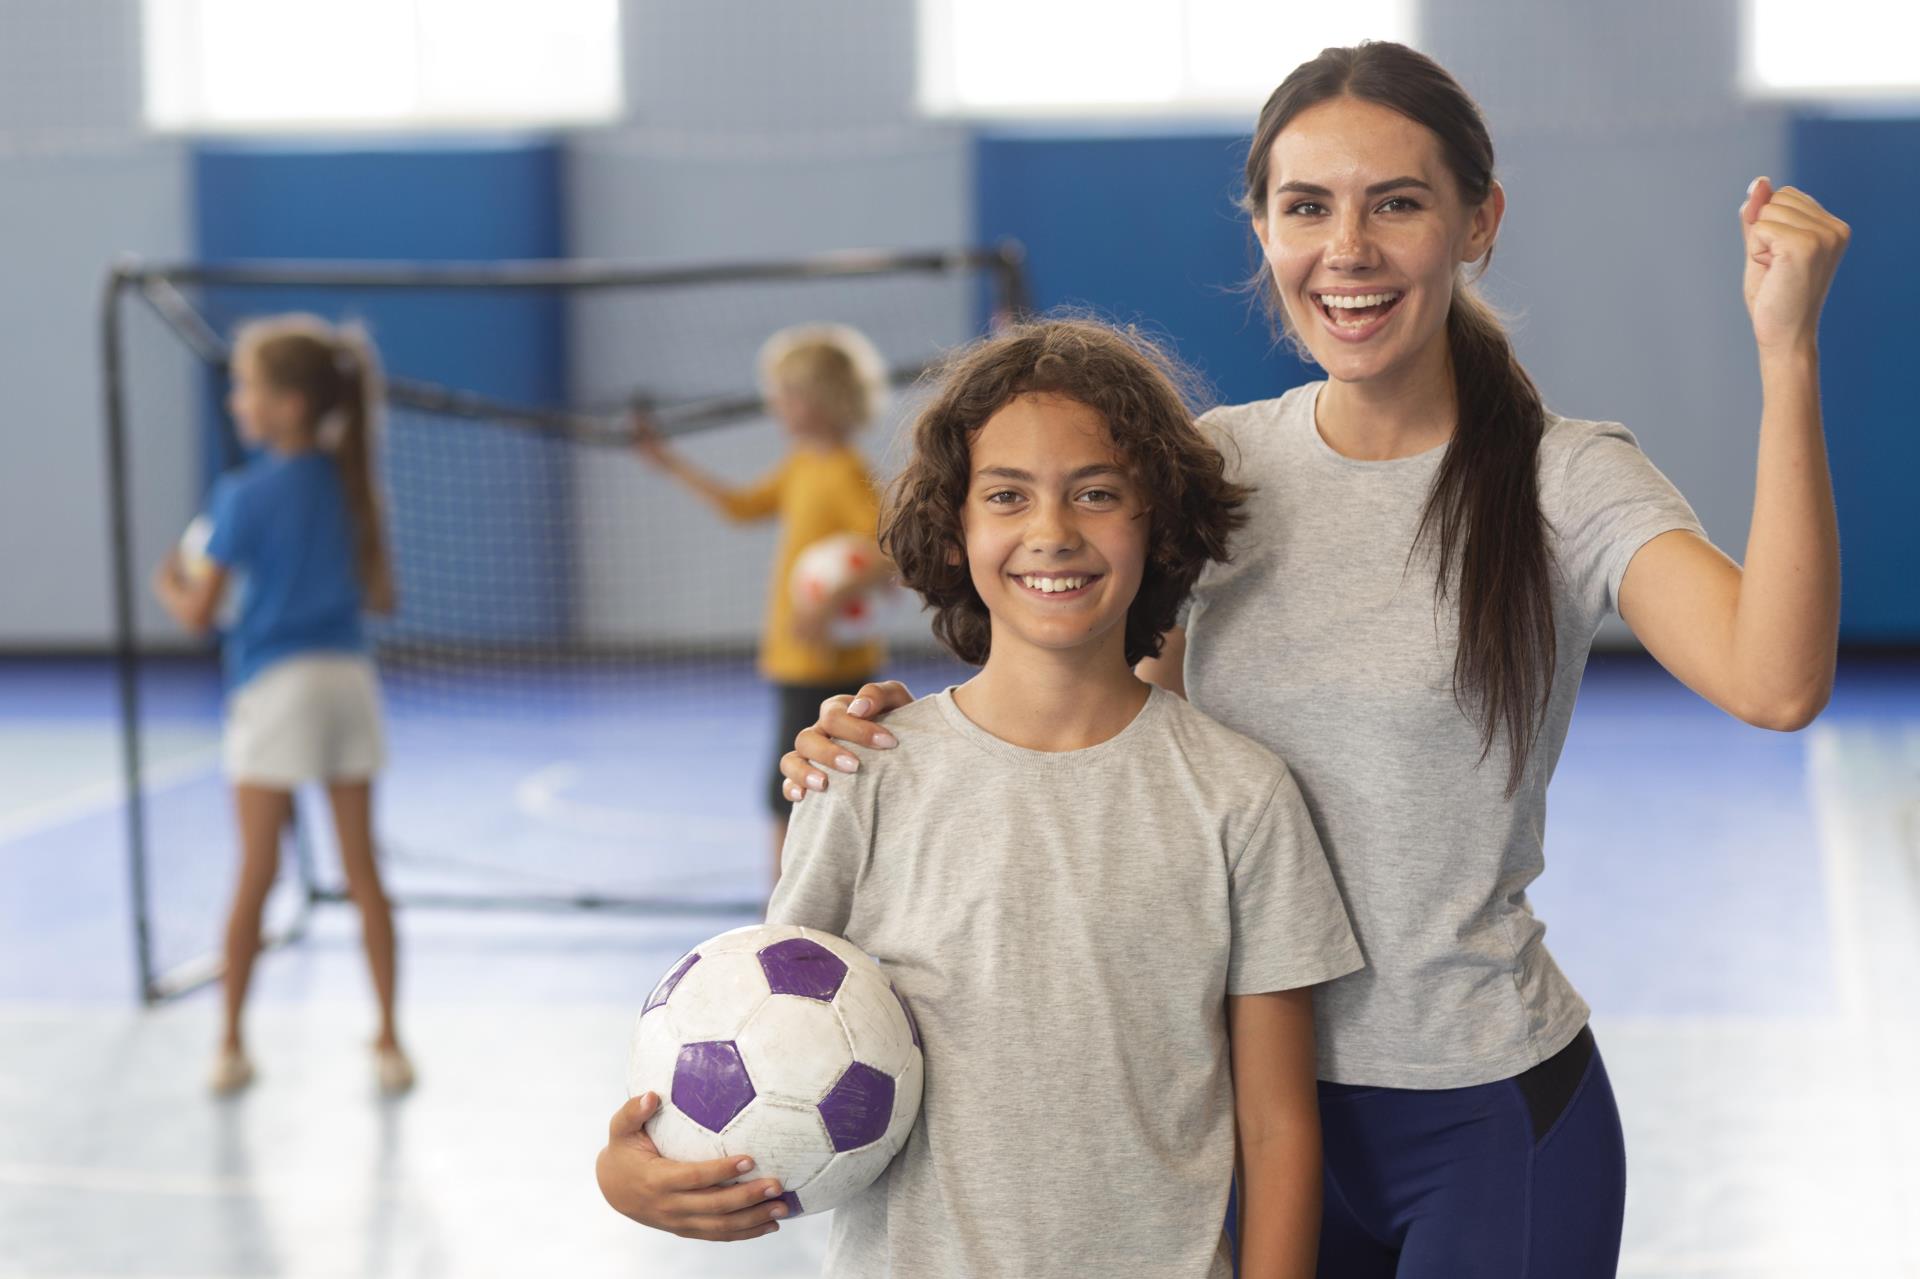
1105, 909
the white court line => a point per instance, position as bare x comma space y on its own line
127, 1181
1840, 860
96, 797
1768, 1264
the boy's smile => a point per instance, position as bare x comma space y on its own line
1056, 539
1057, 585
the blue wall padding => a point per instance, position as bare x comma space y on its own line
479, 514
1867, 171
1142, 229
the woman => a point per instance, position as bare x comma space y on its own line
1405, 622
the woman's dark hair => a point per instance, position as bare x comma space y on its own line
1482, 519
1136, 388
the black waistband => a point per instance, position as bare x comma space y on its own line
1549, 1086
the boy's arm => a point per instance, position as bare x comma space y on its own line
759, 501
821, 863
1277, 1119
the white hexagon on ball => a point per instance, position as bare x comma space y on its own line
672, 1130
795, 1048
655, 1050
786, 1142
871, 1015
906, 1096
847, 1176
716, 997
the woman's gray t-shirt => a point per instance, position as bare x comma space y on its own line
1322, 641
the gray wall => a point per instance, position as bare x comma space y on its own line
79, 185
756, 129
1624, 150
763, 127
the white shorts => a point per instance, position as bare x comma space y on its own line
305, 719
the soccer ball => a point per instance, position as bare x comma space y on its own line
194, 563
828, 564
786, 1045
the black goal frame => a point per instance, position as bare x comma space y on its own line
159, 286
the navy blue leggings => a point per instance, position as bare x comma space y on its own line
1525, 1178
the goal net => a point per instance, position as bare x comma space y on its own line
573, 720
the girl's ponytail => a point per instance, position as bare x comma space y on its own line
348, 432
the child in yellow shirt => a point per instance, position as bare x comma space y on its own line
822, 383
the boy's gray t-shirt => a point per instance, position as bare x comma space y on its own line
1322, 640
1066, 927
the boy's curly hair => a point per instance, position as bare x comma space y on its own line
1138, 389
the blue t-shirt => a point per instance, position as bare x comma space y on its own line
280, 525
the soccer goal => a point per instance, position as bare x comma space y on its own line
572, 715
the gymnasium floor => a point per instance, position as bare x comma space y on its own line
1741, 908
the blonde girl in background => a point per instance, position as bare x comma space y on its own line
822, 382
297, 533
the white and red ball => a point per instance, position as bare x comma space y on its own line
194, 563
786, 1045
828, 565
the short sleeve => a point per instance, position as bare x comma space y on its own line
1290, 928
758, 501
1608, 502
826, 849
231, 542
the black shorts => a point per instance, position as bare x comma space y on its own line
799, 708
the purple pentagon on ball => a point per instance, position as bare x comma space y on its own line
792, 1201
664, 990
913, 1026
710, 1084
859, 1107
797, 966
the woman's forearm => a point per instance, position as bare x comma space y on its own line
1786, 622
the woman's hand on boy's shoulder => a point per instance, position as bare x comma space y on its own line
849, 718
691, 1200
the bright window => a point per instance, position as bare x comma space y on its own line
380, 64
1833, 48
1130, 57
